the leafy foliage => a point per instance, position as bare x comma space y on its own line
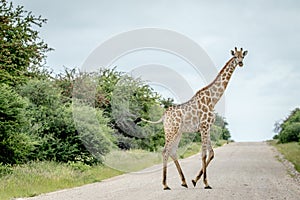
22, 51
122, 99
93, 130
53, 127
289, 129
15, 144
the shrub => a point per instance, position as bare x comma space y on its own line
289, 129
290, 133
15, 143
93, 130
53, 127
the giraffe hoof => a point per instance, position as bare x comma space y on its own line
194, 183
184, 185
207, 187
167, 188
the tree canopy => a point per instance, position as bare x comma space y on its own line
22, 50
289, 129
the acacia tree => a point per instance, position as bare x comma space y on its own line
22, 50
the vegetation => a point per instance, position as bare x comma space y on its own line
22, 51
291, 151
58, 128
40, 177
15, 143
289, 129
287, 139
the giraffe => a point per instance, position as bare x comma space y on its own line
196, 115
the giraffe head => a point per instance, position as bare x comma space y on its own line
239, 55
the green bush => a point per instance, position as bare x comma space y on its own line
290, 133
93, 130
52, 125
51, 122
289, 129
15, 143
123, 99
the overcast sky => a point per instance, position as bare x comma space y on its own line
264, 91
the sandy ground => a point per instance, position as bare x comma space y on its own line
239, 171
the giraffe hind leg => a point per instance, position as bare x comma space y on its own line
165, 155
174, 147
180, 171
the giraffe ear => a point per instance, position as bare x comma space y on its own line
232, 52
245, 53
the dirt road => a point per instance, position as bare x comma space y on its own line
239, 171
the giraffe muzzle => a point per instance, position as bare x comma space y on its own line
241, 64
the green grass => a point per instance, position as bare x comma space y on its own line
291, 152
41, 177
132, 160
189, 150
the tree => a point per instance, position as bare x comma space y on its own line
22, 51
289, 129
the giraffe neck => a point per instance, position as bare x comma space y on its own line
218, 86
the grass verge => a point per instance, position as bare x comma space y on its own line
41, 177
290, 151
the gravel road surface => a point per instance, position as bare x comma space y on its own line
239, 171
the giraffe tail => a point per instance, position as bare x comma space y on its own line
151, 122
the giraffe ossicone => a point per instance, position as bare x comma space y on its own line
196, 115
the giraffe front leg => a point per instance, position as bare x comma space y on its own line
206, 121
210, 157
206, 145
204, 167
205, 164
194, 181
